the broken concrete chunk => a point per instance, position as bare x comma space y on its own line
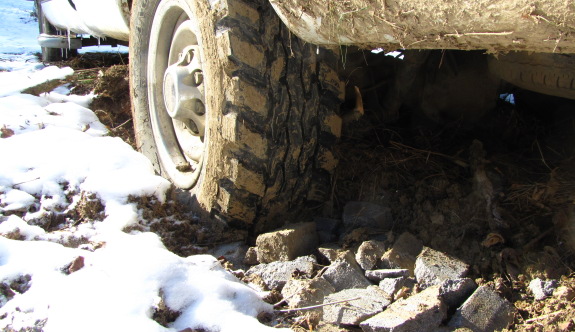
366, 303
276, 274
287, 243
542, 288
369, 254
251, 257
332, 252
300, 293
484, 311
433, 267
403, 253
421, 312
392, 285
455, 291
344, 273
365, 214
378, 275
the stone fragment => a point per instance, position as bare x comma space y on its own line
542, 289
455, 291
327, 229
344, 273
276, 274
365, 214
234, 253
392, 285
251, 257
331, 252
484, 311
306, 292
421, 312
287, 243
371, 301
76, 265
378, 275
403, 253
564, 293
433, 267
369, 254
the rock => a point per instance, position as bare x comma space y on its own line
455, 291
234, 253
287, 243
564, 293
421, 312
276, 274
433, 267
364, 214
327, 229
392, 285
306, 292
251, 257
542, 289
378, 275
403, 253
369, 254
331, 252
484, 311
371, 301
76, 265
344, 273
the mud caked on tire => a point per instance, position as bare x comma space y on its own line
232, 107
547, 73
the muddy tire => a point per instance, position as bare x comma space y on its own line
551, 74
256, 116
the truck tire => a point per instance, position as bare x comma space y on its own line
551, 74
230, 106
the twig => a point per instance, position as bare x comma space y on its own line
454, 159
317, 306
504, 33
531, 320
121, 125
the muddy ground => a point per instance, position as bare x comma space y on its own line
497, 194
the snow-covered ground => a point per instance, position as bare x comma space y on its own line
88, 276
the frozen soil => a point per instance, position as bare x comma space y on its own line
497, 194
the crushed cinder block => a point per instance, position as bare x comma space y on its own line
484, 311
365, 214
421, 312
345, 273
251, 257
433, 267
369, 254
331, 252
542, 289
455, 291
403, 253
287, 243
378, 275
367, 302
392, 285
276, 274
300, 293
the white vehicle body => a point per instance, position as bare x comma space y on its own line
101, 18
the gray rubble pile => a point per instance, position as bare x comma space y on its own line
378, 285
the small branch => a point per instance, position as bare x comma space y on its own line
121, 125
457, 161
457, 35
531, 320
317, 306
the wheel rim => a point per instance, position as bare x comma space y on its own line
176, 94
